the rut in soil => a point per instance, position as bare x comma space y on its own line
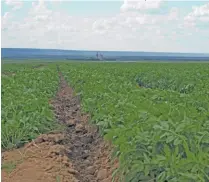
88, 152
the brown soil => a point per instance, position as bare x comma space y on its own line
42, 160
77, 155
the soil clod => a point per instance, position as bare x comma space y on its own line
102, 174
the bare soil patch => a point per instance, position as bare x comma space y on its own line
78, 154
44, 159
90, 155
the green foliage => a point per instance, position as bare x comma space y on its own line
10, 166
161, 129
25, 104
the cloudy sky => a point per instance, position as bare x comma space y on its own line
131, 25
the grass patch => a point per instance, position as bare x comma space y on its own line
10, 166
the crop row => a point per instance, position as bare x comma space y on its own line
25, 103
160, 132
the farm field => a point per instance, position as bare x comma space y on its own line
155, 115
25, 101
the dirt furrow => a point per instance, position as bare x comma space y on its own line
77, 154
89, 154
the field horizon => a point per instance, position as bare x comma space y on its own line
59, 54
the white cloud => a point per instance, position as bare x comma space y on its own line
199, 13
127, 30
5, 20
201, 10
6, 15
140, 4
16, 4
39, 11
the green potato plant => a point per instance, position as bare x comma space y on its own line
156, 115
25, 104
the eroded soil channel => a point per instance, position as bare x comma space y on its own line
89, 154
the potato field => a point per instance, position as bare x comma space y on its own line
155, 116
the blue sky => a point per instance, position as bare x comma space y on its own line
154, 25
